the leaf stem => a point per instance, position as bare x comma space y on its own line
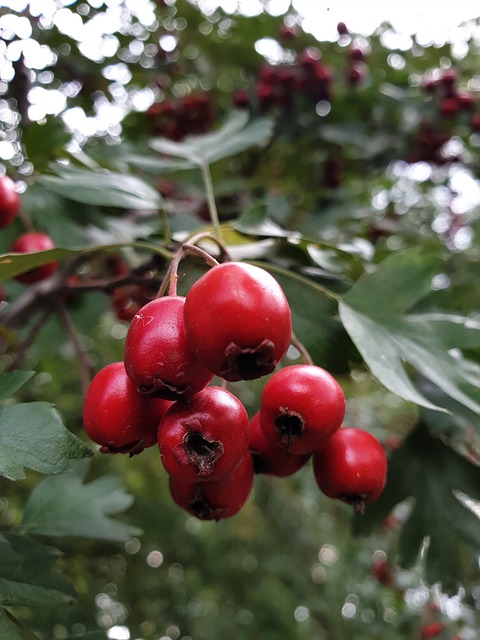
80, 353
212, 207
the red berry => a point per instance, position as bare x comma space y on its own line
31, 242
342, 29
475, 122
270, 459
301, 405
237, 321
205, 439
355, 74
116, 416
449, 107
240, 99
351, 466
448, 78
215, 500
9, 201
356, 54
431, 630
287, 33
157, 358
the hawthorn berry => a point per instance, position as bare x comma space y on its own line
237, 321
116, 416
351, 466
431, 630
157, 358
342, 29
205, 439
31, 242
300, 406
215, 500
270, 459
9, 201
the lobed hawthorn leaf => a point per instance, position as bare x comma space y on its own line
64, 505
374, 313
33, 435
431, 473
235, 135
102, 188
27, 577
12, 381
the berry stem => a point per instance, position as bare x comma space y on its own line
171, 277
302, 349
209, 193
80, 353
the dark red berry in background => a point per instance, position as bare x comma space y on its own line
475, 122
287, 33
116, 416
356, 54
270, 459
9, 201
215, 500
205, 439
342, 29
157, 358
301, 405
238, 321
31, 242
431, 630
351, 466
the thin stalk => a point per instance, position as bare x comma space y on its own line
212, 207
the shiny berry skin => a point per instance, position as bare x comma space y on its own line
157, 358
31, 242
351, 466
270, 459
9, 201
215, 500
116, 416
205, 439
237, 321
301, 405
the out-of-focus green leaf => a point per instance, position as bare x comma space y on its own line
27, 577
11, 264
428, 471
12, 381
64, 505
32, 435
255, 222
103, 188
13, 629
236, 135
374, 314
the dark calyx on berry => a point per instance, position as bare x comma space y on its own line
196, 450
132, 448
289, 426
202, 510
248, 363
161, 389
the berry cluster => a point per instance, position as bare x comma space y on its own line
234, 323
176, 119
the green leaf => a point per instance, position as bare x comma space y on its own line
428, 471
254, 222
374, 314
156, 165
11, 264
27, 577
13, 629
32, 435
12, 381
103, 188
233, 137
64, 505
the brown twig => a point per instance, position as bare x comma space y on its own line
81, 353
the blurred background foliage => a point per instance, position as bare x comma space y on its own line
374, 150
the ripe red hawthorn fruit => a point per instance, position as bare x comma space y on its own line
157, 358
351, 466
9, 201
205, 439
238, 321
270, 459
301, 405
215, 500
31, 242
116, 416
431, 630
342, 29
